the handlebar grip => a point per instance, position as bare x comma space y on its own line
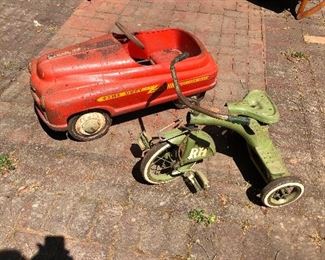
242, 120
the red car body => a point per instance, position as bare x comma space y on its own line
112, 74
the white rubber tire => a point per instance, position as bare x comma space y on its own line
278, 184
150, 156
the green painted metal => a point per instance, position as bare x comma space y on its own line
197, 146
144, 141
174, 136
256, 104
194, 145
257, 137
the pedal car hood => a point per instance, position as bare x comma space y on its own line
81, 62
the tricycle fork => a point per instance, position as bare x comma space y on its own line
190, 144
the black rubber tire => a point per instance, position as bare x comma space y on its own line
270, 191
77, 135
160, 149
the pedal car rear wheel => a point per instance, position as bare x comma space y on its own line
196, 99
282, 191
157, 166
89, 126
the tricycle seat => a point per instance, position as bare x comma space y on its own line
256, 104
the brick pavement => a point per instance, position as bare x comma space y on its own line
85, 192
20, 39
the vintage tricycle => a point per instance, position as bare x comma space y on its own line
82, 87
175, 152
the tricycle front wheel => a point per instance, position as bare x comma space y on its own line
89, 125
282, 191
157, 166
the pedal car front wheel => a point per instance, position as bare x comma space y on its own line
89, 126
282, 191
157, 166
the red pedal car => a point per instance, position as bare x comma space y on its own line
81, 87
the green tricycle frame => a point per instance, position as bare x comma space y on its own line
175, 152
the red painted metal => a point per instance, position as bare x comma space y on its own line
112, 74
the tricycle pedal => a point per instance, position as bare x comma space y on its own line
196, 181
202, 179
144, 141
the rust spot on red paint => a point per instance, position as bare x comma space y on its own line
98, 45
81, 56
80, 49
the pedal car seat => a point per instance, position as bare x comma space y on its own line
166, 55
258, 105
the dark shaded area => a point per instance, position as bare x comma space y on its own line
59, 136
136, 151
136, 173
11, 254
116, 120
142, 113
53, 249
277, 6
229, 143
161, 89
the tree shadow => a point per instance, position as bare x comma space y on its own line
11, 254
53, 249
277, 6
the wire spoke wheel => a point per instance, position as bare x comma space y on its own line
158, 165
282, 191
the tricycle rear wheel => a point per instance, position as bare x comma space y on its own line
88, 126
282, 191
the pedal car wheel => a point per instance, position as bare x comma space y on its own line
157, 166
89, 126
196, 99
282, 191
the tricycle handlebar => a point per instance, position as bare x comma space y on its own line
179, 58
234, 119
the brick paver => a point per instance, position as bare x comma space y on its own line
86, 194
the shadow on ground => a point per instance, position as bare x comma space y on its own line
277, 6
231, 144
59, 136
53, 249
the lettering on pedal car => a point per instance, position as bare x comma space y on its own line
197, 153
150, 89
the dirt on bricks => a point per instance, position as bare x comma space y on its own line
73, 200
26, 27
